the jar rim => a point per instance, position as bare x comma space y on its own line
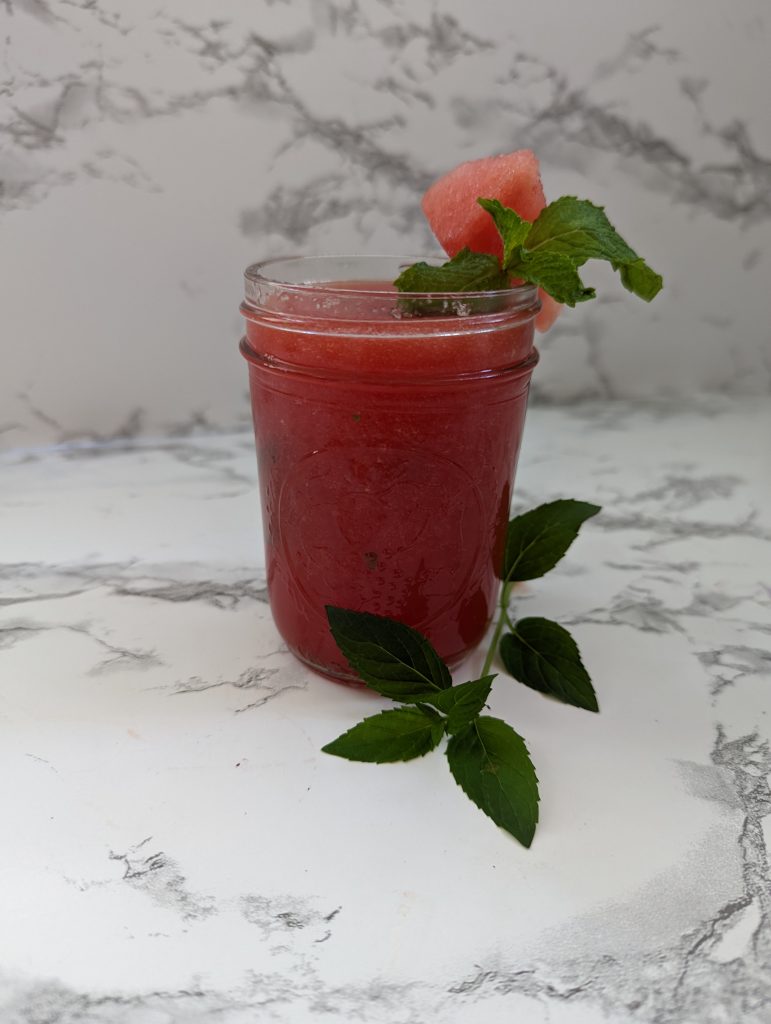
355, 295
268, 273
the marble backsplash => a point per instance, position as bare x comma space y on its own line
149, 151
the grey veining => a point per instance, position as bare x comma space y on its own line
169, 148
178, 847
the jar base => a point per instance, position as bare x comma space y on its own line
333, 674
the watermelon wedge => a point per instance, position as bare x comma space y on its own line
457, 220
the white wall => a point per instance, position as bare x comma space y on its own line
149, 150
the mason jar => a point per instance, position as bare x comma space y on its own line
387, 428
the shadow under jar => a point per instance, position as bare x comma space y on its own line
387, 428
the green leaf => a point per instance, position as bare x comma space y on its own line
581, 231
466, 272
491, 764
543, 655
554, 272
637, 277
511, 227
537, 540
397, 735
391, 658
461, 703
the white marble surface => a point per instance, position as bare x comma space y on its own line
149, 151
176, 848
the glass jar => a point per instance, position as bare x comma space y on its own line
387, 429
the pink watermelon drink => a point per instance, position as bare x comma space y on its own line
386, 444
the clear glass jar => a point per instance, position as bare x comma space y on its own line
387, 429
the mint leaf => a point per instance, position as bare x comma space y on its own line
398, 735
638, 277
391, 658
461, 703
580, 231
511, 227
491, 764
466, 272
554, 272
544, 656
537, 540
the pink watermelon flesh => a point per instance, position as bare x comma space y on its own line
550, 310
457, 220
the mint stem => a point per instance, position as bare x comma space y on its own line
502, 618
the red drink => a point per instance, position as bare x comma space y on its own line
386, 447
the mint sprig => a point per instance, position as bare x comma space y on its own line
487, 758
547, 252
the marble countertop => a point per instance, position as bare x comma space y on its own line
177, 849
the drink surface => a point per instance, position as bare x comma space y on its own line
386, 451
